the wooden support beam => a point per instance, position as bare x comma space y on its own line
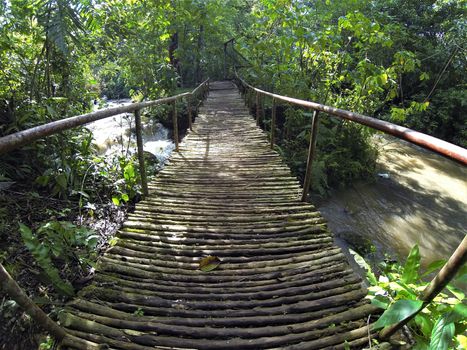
311, 154
139, 143
273, 122
175, 124
257, 108
190, 114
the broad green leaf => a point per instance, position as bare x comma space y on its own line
26, 232
209, 263
42, 180
397, 312
461, 275
459, 294
364, 265
113, 241
443, 331
41, 254
380, 301
421, 342
61, 180
459, 313
129, 172
424, 323
412, 265
115, 201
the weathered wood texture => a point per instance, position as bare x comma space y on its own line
281, 283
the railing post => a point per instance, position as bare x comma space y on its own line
139, 143
273, 121
437, 284
225, 61
257, 108
263, 112
190, 116
175, 123
311, 154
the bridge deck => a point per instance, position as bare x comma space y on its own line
282, 283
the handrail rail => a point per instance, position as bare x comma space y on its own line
20, 138
430, 142
459, 257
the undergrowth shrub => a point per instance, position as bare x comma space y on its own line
60, 241
344, 151
441, 325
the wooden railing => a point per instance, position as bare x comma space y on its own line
434, 144
21, 138
459, 154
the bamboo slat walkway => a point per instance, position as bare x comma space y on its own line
282, 283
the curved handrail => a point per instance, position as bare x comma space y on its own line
439, 146
21, 138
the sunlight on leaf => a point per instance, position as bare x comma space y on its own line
397, 312
209, 263
412, 266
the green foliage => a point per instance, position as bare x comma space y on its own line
344, 152
47, 343
392, 60
441, 324
60, 241
412, 265
41, 254
139, 312
399, 311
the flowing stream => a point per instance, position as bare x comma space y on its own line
117, 133
418, 197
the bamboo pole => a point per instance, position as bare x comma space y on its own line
273, 121
263, 112
190, 116
12, 288
175, 124
311, 154
139, 143
257, 108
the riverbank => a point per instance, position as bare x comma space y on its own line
418, 198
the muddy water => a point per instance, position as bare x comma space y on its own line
117, 134
418, 198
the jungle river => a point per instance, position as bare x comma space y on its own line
417, 197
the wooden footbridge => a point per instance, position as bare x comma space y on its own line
280, 283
